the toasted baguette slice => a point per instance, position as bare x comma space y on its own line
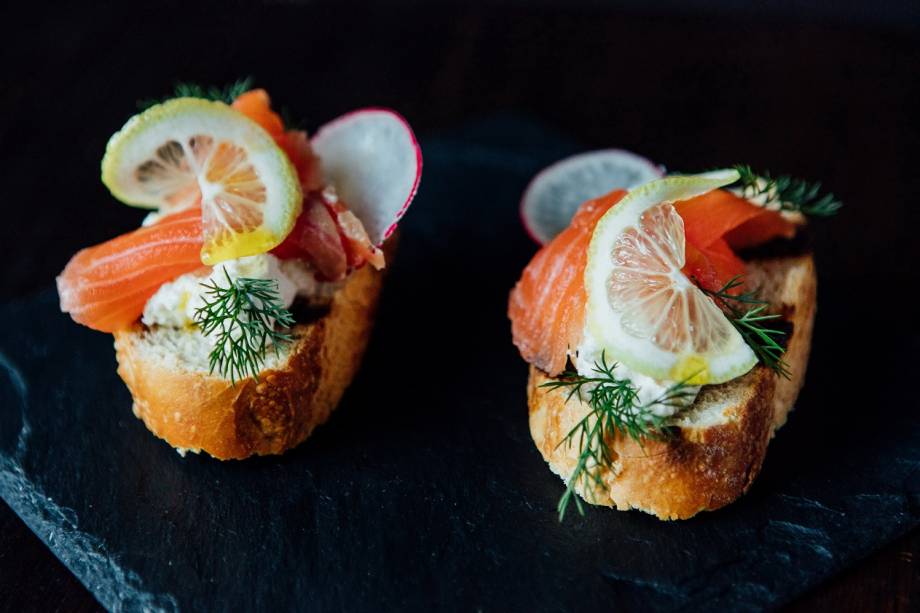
167, 373
722, 438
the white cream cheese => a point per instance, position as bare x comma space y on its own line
151, 218
649, 390
175, 303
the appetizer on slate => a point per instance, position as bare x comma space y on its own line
243, 305
667, 328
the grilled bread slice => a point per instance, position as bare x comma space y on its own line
722, 438
166, 371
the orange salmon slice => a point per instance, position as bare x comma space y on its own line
105, 287
547, 306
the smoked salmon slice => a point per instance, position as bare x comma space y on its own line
105, 287
720, 214
716, 224
547, 306
256, 105
713, 266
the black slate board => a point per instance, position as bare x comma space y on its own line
425, 491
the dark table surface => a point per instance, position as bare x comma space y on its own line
811, 94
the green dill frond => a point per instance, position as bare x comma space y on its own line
613, 406
748, 314
226, 94
789, 193
243, 315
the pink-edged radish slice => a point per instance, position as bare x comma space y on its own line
374, 161
556, 192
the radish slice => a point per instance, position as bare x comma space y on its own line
553, 196
374, 161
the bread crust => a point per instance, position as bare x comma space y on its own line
791, 283
198, 412
702, 468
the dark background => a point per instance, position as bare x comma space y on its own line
828, 91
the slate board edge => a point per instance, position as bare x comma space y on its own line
82, 553
116, 588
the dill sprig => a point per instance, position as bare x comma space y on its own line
789, 193
243, 314
613, 406
226, 94
748, 314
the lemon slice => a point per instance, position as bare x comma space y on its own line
641, 308
188, 151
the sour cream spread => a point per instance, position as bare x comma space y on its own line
649, 389
175, 303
